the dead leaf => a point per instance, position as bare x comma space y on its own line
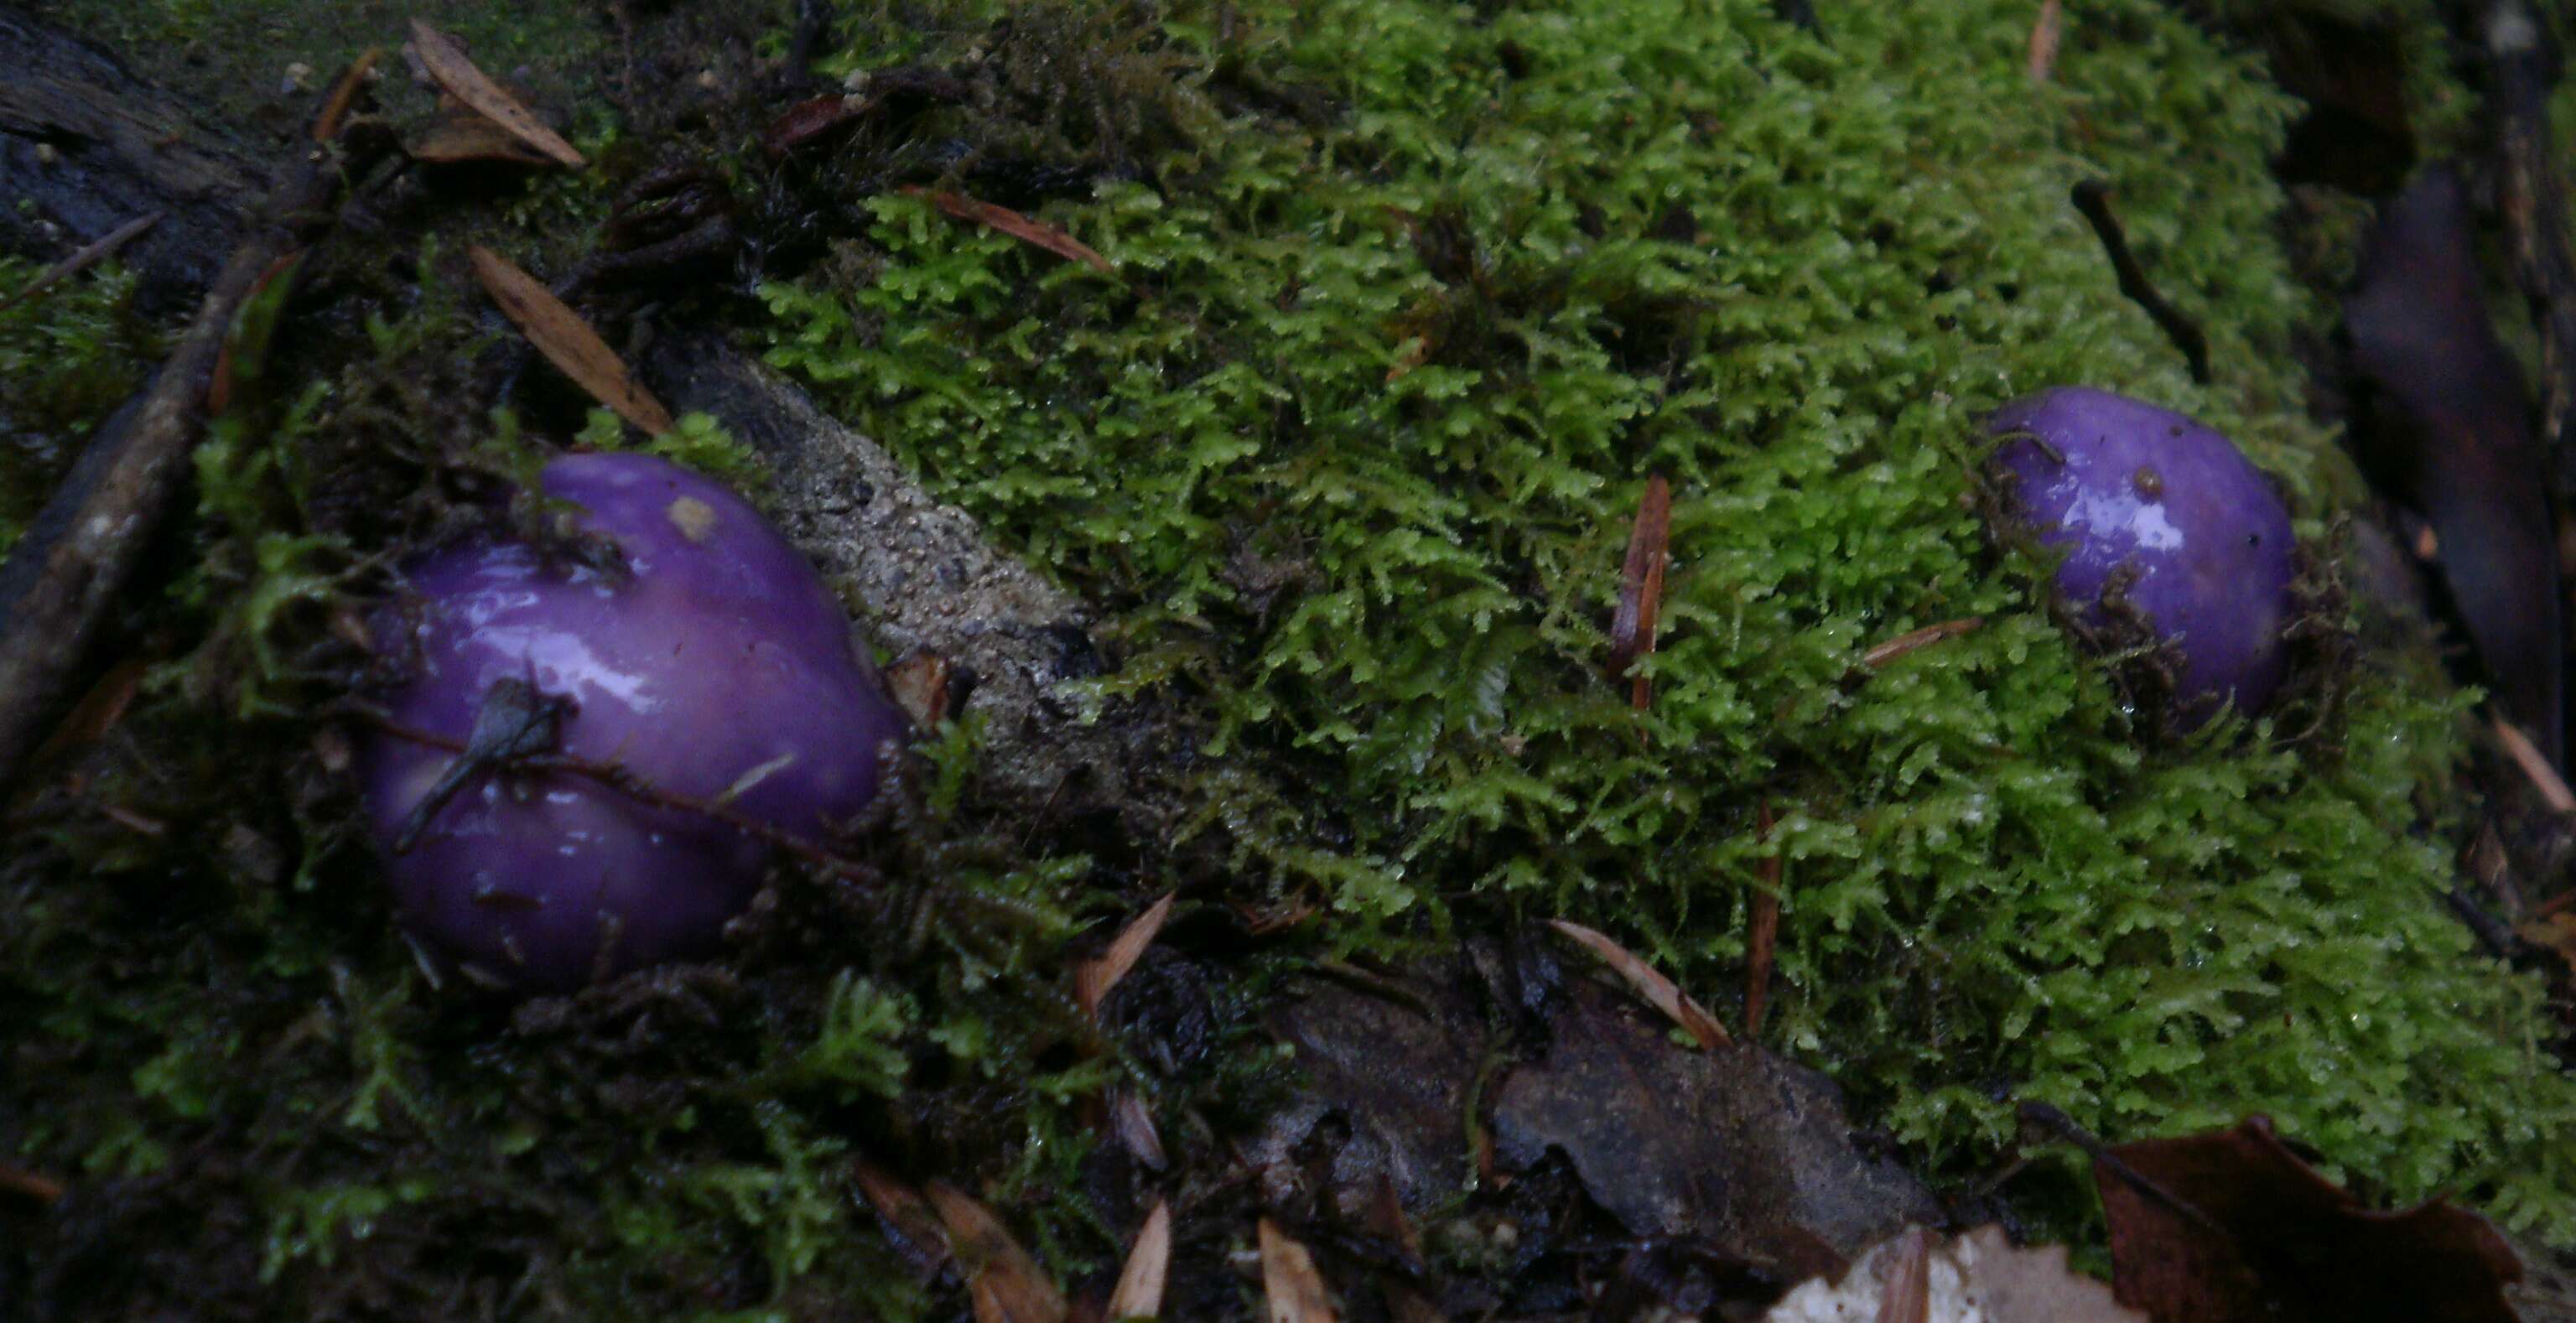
1641, 589
344, 94
1925, 637
1139, 1293
86, 256
1735, 1149
919, 683
459, 134
567, 341
2264, 1237
2445, 428
95, 714
1289, 1281
910, 1226
449, 67
1398, 1071
1980, 1275
1650, 984
1092, 979
2045, 33
1006, 1285
1034, 233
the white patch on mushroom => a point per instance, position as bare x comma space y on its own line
693, 517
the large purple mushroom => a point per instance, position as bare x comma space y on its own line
2167, 529
712, 665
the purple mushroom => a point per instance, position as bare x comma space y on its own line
712, 665
2169, 534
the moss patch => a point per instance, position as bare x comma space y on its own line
69, 356
1353, 437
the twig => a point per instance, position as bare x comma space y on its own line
626, 782
2057, 1122
2093, 198
61, 580
88, 255
1764, 934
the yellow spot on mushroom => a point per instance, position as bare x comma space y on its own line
693, 517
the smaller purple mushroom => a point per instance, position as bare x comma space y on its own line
2170, 534
712, 664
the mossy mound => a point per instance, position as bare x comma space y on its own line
1409, 311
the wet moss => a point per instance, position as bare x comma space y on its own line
1353, 434
69, 356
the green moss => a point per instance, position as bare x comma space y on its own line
1352, 438
68, 356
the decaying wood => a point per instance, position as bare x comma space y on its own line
85, 147
58, 585
924, 577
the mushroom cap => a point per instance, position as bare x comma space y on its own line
716, 665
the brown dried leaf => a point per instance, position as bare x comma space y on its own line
1922, 638
2045, 34
1650, 984
1289, 1281
1735, 1150
96, 714
1149, 1261
910, 1226
2261, 1237
460, 134
1006, 1284
567, 341
1093, 978
448, 65
1641, 589
1034, 233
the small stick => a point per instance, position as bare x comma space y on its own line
89, 255
1765, 933
2051, 1119
2093, 198
626, 782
